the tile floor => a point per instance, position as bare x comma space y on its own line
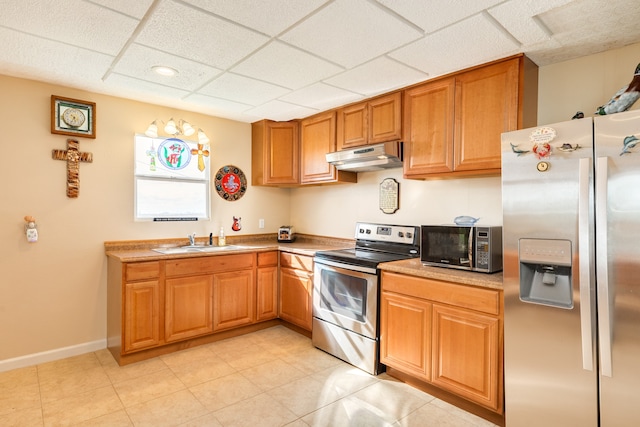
273, 377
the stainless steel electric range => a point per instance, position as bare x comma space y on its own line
346, 292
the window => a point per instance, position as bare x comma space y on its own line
171, 180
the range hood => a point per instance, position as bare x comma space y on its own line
368, 158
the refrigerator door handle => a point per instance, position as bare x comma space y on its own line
584, 255
604, 319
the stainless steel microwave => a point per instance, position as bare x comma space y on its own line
475, 248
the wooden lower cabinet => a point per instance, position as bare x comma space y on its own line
466, 357
267, 286
405, 329
153, 305
446, 334
296, 288
141, 315
188, 307
234, 299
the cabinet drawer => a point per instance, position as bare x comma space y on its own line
142, 270
470, 297
211, 264
297, 262
267, 258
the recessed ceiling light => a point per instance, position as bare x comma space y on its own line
164, 71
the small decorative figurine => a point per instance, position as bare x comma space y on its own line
236, 224
629, 142
31, 229
517, 150
623, 99
578, 115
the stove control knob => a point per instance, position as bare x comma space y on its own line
368, 231
361, 231
400, 234
409, 235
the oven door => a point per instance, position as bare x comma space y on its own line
346, 297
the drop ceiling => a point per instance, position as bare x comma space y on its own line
283, 59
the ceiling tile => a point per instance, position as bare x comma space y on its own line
286, 66
242, 89
137, 8
380, 75
350, 32
222, 107
281, 111
518, 18
75, 22
131, 88
434, 15
321, 97
34, 57
269, 17
470, 42
137, 61
584, 28
199, 36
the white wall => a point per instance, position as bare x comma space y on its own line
333, 211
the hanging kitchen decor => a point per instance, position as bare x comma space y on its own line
389, 192
231, 183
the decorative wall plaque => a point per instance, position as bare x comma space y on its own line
230, 183
73, 156
389, 192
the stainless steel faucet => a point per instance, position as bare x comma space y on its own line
192, 239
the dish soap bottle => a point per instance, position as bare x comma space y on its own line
222, 241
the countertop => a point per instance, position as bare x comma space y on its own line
414, 267
137, 251
141, 250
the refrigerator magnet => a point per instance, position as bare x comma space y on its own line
543, 166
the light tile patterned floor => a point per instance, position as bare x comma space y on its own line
274, 377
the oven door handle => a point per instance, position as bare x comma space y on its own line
360, 268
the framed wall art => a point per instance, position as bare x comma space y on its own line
73, 117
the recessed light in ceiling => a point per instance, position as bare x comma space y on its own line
164, 71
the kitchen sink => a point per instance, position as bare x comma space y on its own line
195, 248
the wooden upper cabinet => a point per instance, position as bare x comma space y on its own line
453, 125
317, 138
486, 106
374, 121
385, 118
275, 153
428, 125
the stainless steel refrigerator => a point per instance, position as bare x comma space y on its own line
571, 233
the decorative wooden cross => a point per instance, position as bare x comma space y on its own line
73, 156
200, 152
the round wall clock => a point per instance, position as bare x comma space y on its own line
73, 117
230, 183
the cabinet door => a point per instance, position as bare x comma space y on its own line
188, 307
352, 126
428, 128
466, 355
141, 315
318, 137
275, 152
405, 334
296, 287
234, 299
385, 118
267, 293
486, 106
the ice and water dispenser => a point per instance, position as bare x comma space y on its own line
545, 272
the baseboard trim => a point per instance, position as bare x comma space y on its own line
51, 355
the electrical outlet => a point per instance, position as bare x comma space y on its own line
261, 223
